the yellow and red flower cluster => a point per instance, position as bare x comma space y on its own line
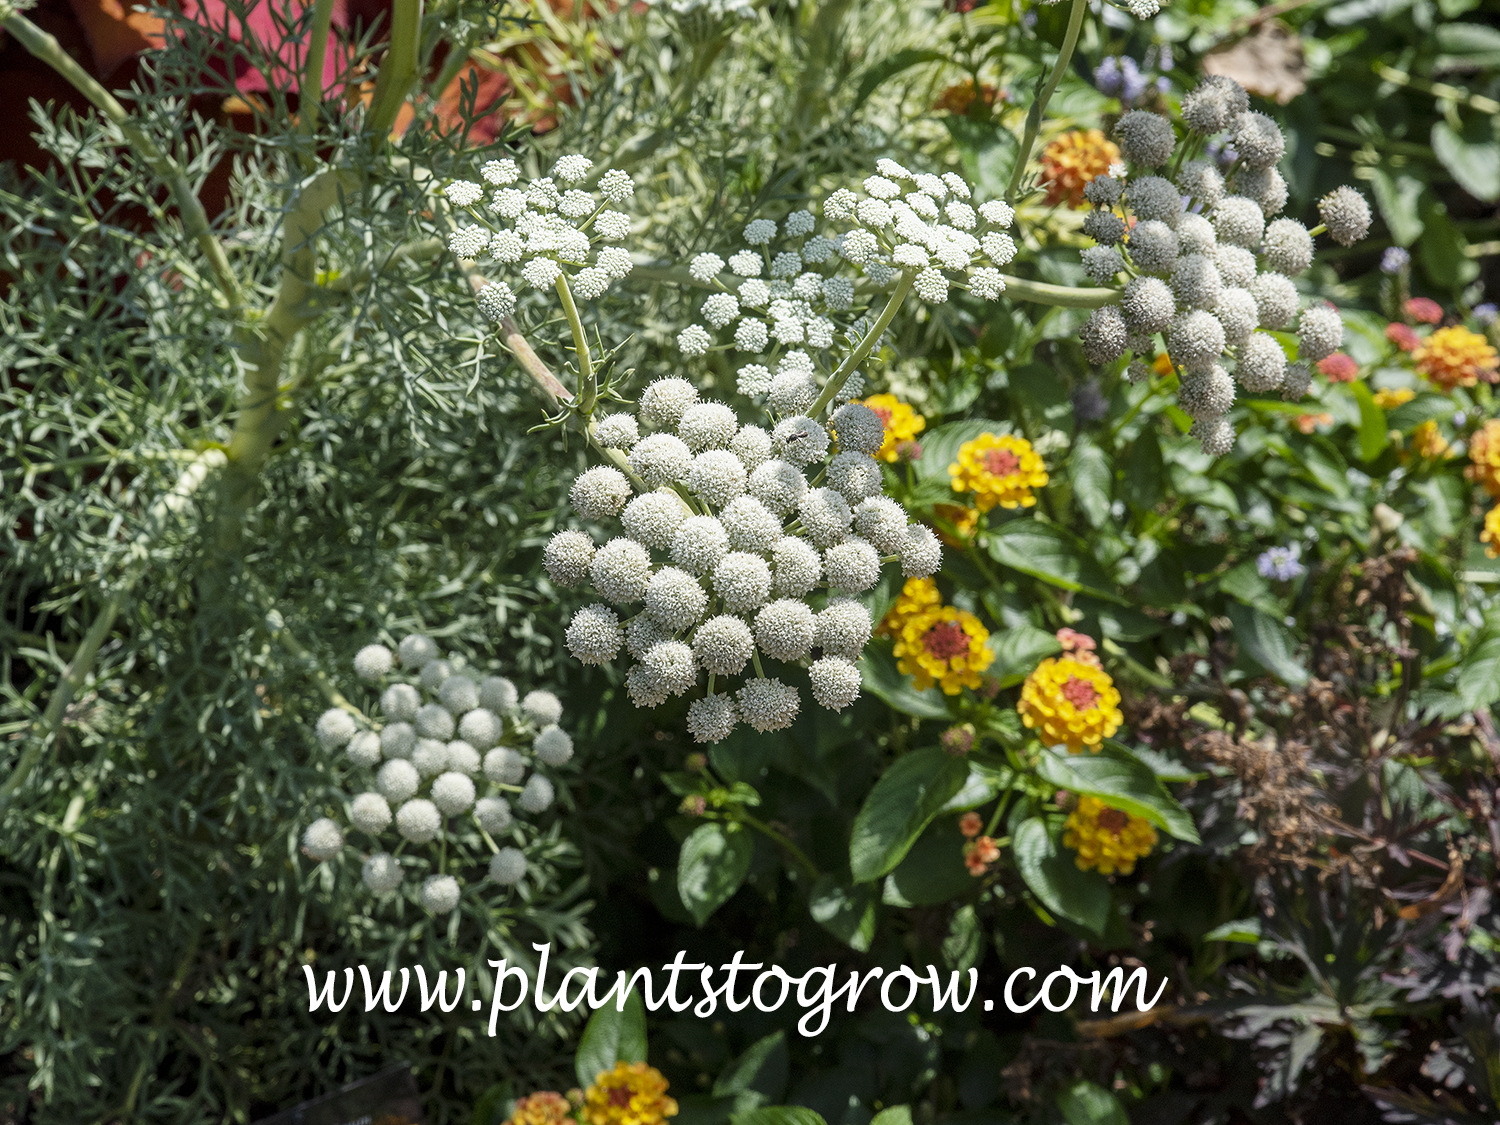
1072, 161
1455, 357
935, 643
629, 1094
1106, 839
998, 469
1070, 700
902, 424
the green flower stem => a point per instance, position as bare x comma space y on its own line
398, 70
837, 380
588, 391
1440, 90
194, 218
205, 465
1039, 107
310, 91
798, 855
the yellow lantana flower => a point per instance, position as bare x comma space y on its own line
1484, 457
902, 423
944, 646
1428, 441
1490, 536
998, 469
1394, 397
918, 595
546, 1107
630, 1094
1106, 839
1455, 357
1070, 702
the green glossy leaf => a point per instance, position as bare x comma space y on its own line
761, 1070
1018, 650
845, 911
964, 944
1245, 930
890, 66
940, 447
905, 799
1121, 782
1048, 553
1476, 167
933, 871
611, 1036
1092, 479
1051, 874
1145, 476
1373, 429
893, 1115
1084, 1103
492, 1108
1424, 408
1398, 198
715, 860
1443, 249
1267, 641
882, 679
1479, 675
778, 1115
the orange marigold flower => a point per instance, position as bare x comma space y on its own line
1455, 357
962, 519
979, 854
902, 423
546, 1107
918, 595
1490, 536
1403, 336
1307, 423
945, 646
971, 824
1072, 161
1107, 839
1070, 702
1484, 457
630, 1094
1428, 441
1339, 368
998, 469
1424, 310
1394, 397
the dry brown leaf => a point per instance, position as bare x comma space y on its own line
1268, 62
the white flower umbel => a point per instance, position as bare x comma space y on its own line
437, 797
1210, 263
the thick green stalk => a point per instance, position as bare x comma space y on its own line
1039, 107
310, 92
837, 380
77, 672
194, 218
588, 390
398, 70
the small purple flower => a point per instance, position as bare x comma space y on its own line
1118, 77
1486, 313
1281, 563
1394, 260
1222, 153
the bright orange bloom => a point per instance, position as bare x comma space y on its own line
545, 1107
630, 1094
1484, 457
959, 97
971, 824
1072, 161
1162, 364
1307, 423
1455, 357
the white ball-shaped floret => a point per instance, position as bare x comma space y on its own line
1201, 180
433, 673
753, 446
1206, 394
699, 544
855, 476
798, 566
618, 431
1266, 186
504, 766
708, 425
553, 746
1275, 298
670, 666
844, 628
1195, 235
434, 721
600, 492
675, 599
852, 566
1145, 138
463, 758
1239, 221
835, 682
664, 402
397, 780
712, 718
1298, 380
653, 518
784, 629
717, 476
859, 428
621, 570
453, 793
779, 486
742, 581
364, 748
498, 694
826, 516
373, 663
1236, 266
1288, 248
921, 552
750, 524
382, 873
1214, 435
882, 521
370, 812
1148, 305
1238, 313
419, 820
1319, 333
542, 708
1103, 335
1260, 364
792, 392
723, 645
1153, 246
567, 557
493, 814
1195, 339
480, 728
1152, 197
661, 459
537, 796
507, 866
459, 694
323, 839
1196, 282
801, 441
416, 650
440, 893
1258, 140
430, 757
594, 636
335, 728
1346, 215
400, 702
768, 705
